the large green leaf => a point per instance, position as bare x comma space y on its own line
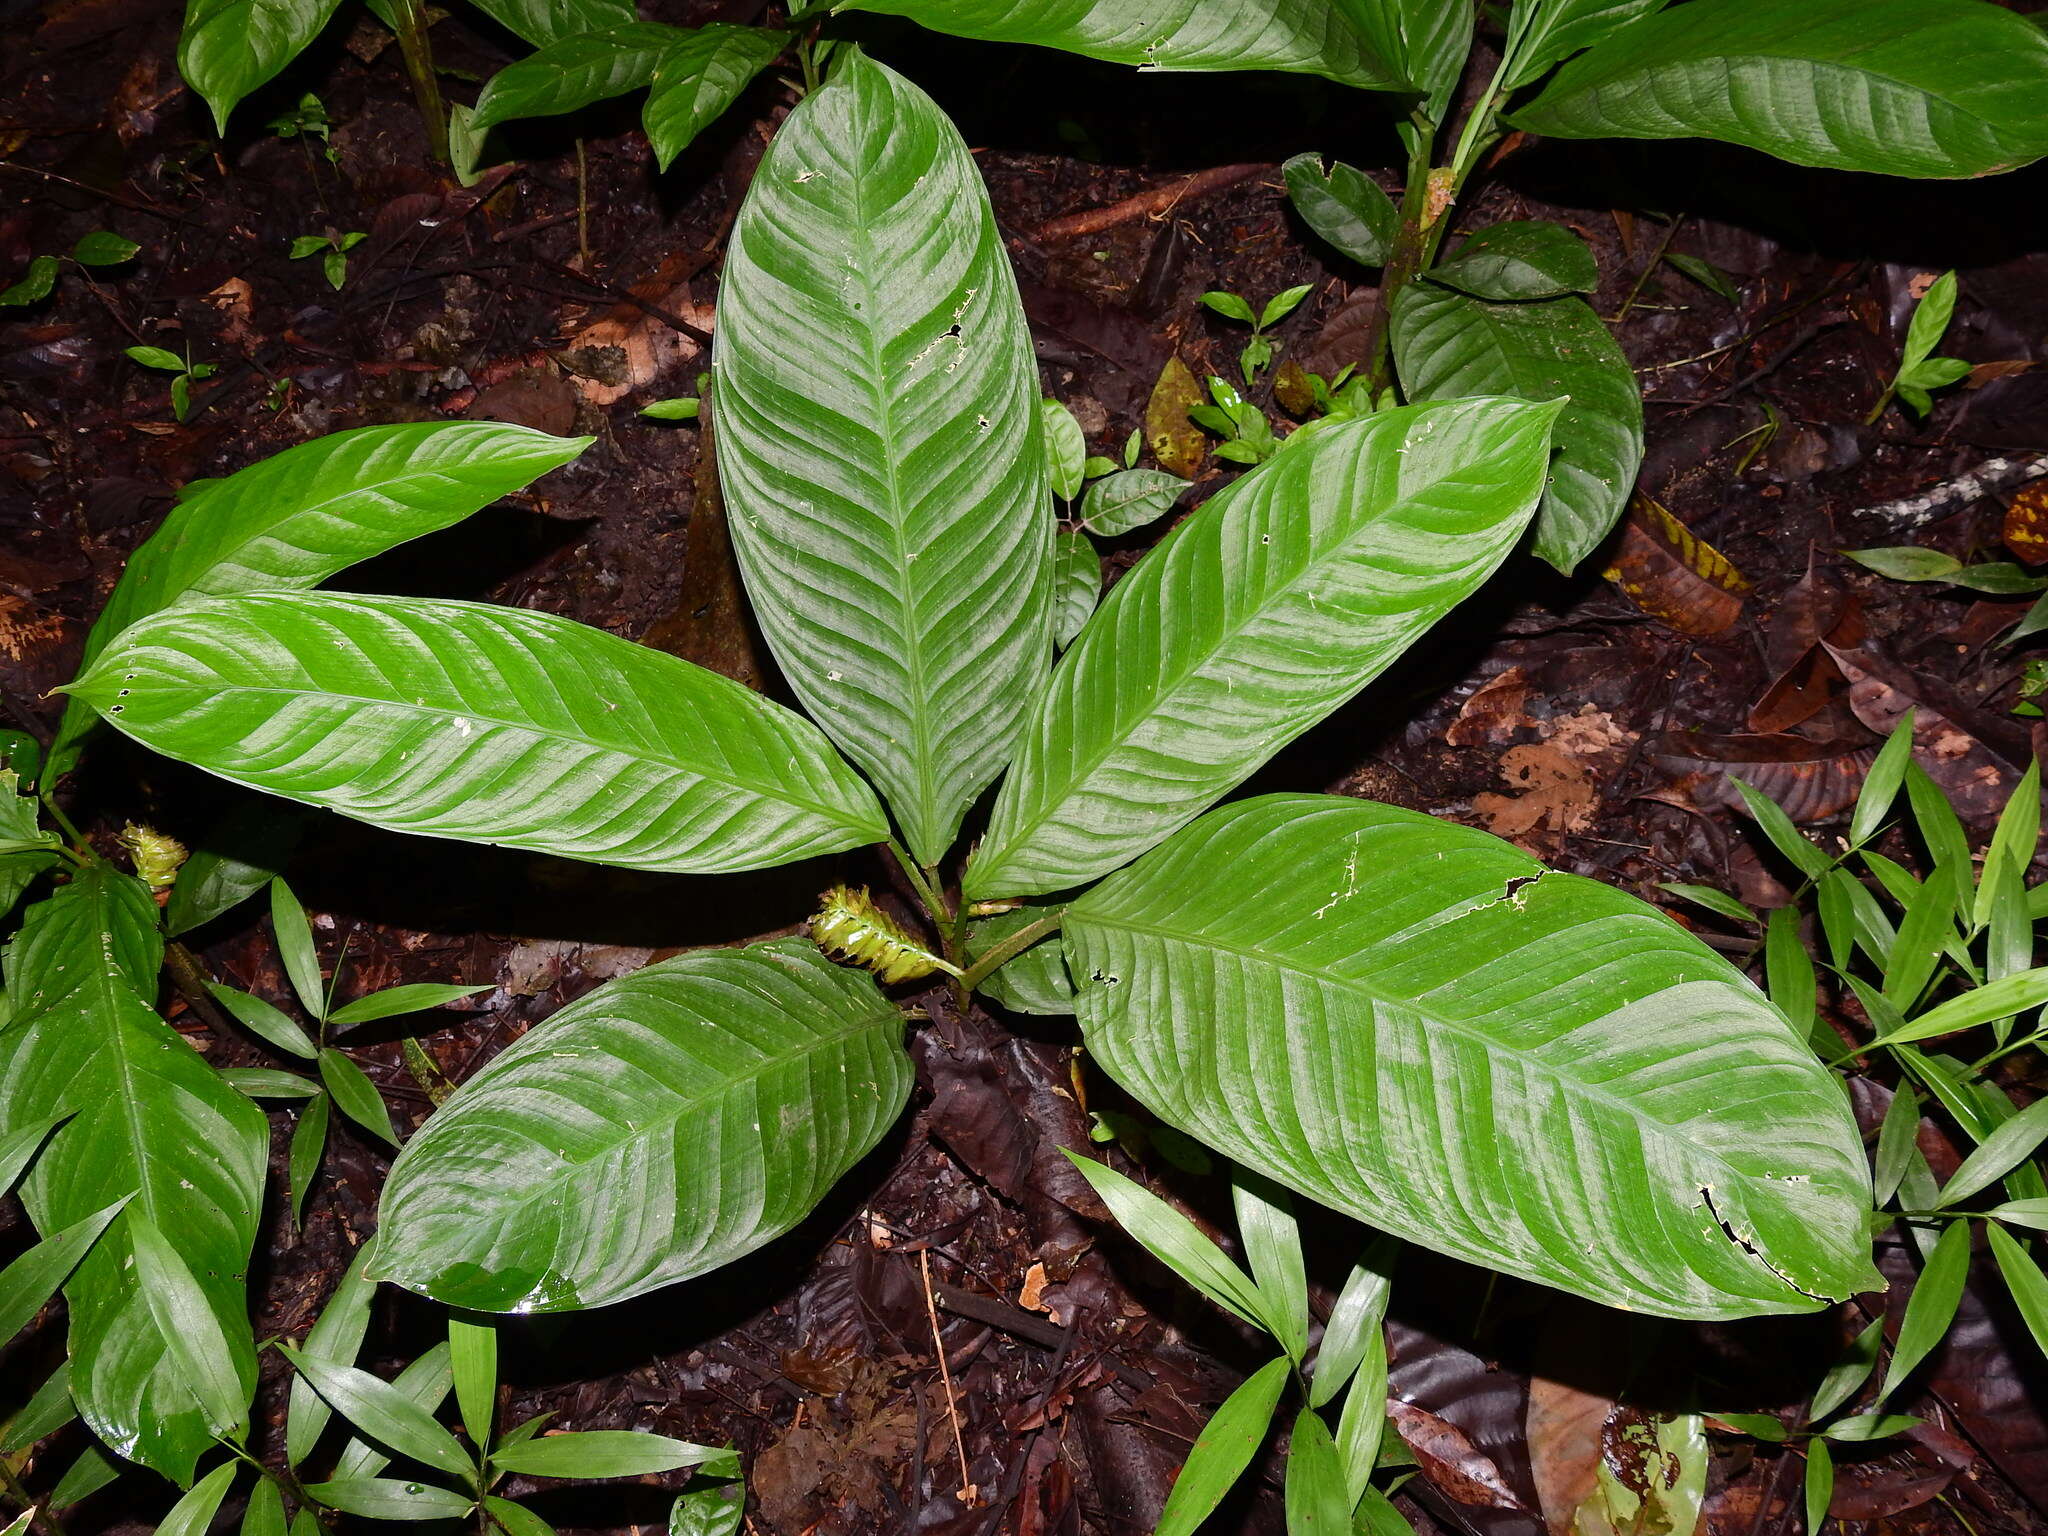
229, 47
1448, 345
1260, 614
1427, 41
148, 1118
495, 725
298, 517
699, 78
1904, 87
541, 22
1543, 31
574, 72
1313, 37
664, 1125
1416, 1023
878, 443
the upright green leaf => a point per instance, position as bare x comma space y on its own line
238, 856
700, 77
1903, 87
336, 1336
661, 1126
496, 725
1881, 783
193, 1514
2011, 1144
1301, 36
201, 1350
2024, 1279
879, 444
1272, 1247
2015, 841
1544, 31
1317, 1504
295, 949
298, 517
1076, 584
1846, 1376
1362, 1425
1932, 1306
32, 1279
1448, 345
1177, 1243
1223, 1450
265, 1513
1260, 614
1345, 206
150, 1119
227, 48
473, 1353
1413, 1022
1355, 1320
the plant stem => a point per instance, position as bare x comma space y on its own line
44, 1520
1009, 949
411, 20
1409, 256
925, 883
64, 825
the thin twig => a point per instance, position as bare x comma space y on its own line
1147, 204
931, 1307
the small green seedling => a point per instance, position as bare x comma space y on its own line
1247, 435
185, 371
101, 248
332, 248
675, 408
308, 120
1258, 352
1919, 370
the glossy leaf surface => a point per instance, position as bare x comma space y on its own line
149, 1119
1262, 612
1416, 1023
661, 1126
1520, 259
227, 48
879, 444
1301, 36
1902, 87
495, 725
699, 78
1448, 345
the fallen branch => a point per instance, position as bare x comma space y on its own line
1951, 496
1148, 205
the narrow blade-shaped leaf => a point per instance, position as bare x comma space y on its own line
879, 445
148, 1118
699, 78
33, 1278
295, 948
335, 1337
1932, 1306
1076, 584
379, 1410
1355, 1320
229, 47
296, 518
425, 1383
1448, 344
355, 1095
238, 856
2002, 1151
1176, 1242
1316, 1497
389, 1498
496, 725
20, 1144
1846, 1376
1260, 614
2024, 1279
193, 1514
659, 1127
1299, 36
473, 1354
200, 1348
1223, 1450
1903, 87
1272, 1247
604, 1453
1416, 1023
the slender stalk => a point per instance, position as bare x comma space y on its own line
64, 825
411, 19
1002, 954
45, 1520
925, 883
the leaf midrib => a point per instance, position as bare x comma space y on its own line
569, 1172
1171, 687
1378, 998
661, 759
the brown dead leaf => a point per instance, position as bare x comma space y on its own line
1810, 779
1450, 1462
2026, 523
1032, 1296
1177, 443
648, 347
1674, 576
1493, 712
1977, 777
1564, 1425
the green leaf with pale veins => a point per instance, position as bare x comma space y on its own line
147, 1115
1343, 205
1520, 259
494, 725
1076, 583
664, 1125
298, 517
1261, 613
879, 444
1310, 37
699, 78
1417, 1024
1448, 345
1901, 87
227, 48
575, 71
1545, 31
